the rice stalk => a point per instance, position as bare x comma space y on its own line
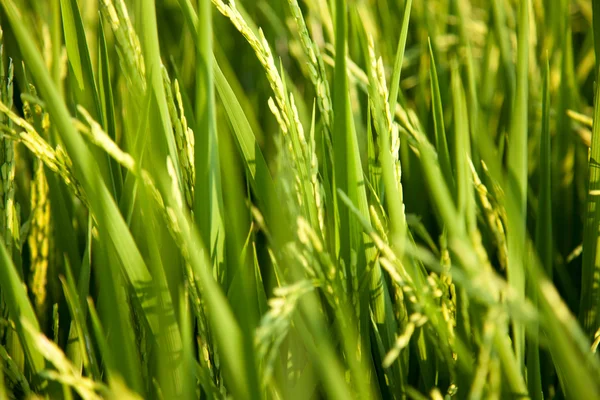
55, 159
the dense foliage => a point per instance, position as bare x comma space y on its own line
299, 199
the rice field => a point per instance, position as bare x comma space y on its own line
299, 199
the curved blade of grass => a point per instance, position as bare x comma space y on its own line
77, 49
101, 337
578, 368
246, 140
79, 323
19, 308
233, 81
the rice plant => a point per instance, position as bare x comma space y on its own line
290, 199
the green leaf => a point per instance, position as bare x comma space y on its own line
19, 308
590, 275
208, 207
517, 179
107, 105
395, 84
76, 44
441, 142
543, 239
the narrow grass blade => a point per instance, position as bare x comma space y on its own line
349, 179
472, 96
596, 29
20, 308
395, 84
163, 133
441, 142
589, 311
544, 231
517, 181
544, 244
80, 325
243, 300
81, 65
107, 104
208, 207
77, 50
465, 201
